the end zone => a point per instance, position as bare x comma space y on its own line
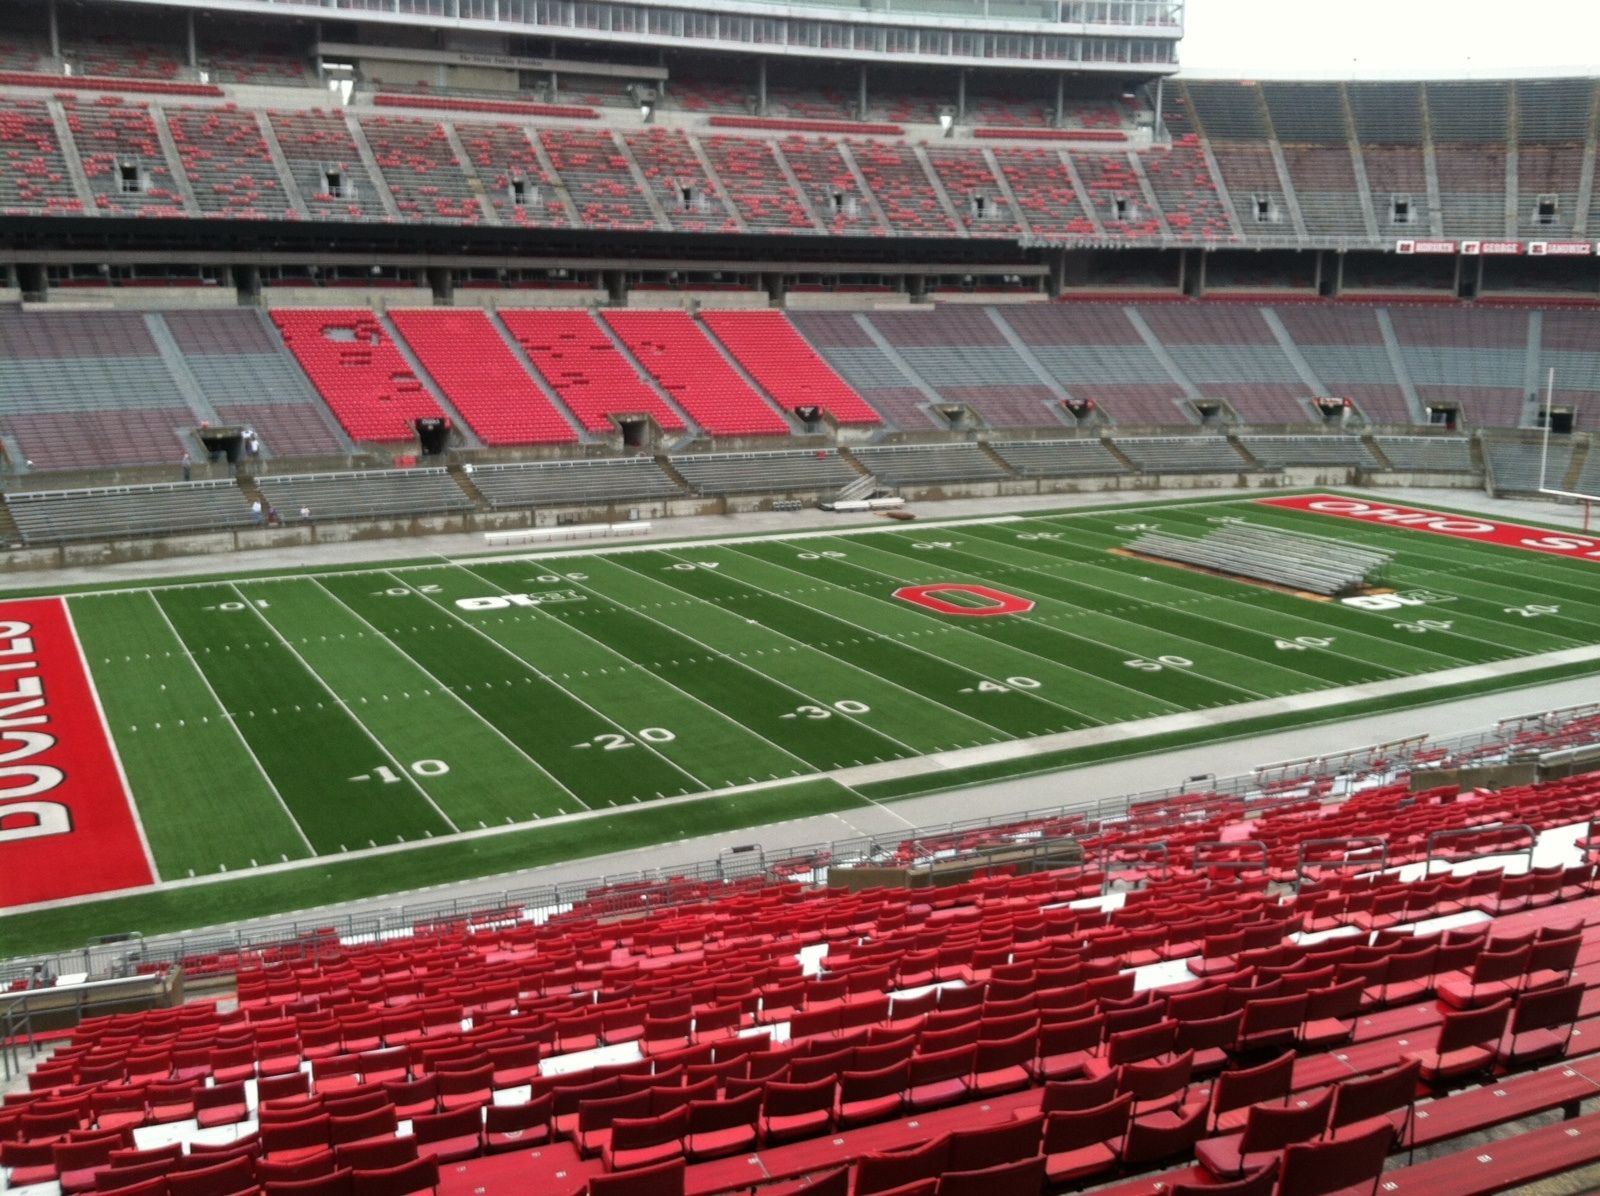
67, 823
1442, 523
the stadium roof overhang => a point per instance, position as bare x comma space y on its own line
1138, 36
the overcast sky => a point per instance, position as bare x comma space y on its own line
1343, 38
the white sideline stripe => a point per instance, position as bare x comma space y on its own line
412, 564
939, 762
718, 541
111, 742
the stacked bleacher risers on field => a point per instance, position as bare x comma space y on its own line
61, 516
1264, 554
380, 493
573, 483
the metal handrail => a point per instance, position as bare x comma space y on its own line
1481, 829
1354, 843
1201, 860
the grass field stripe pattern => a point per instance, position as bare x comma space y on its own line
198, 819
227, 720
1211, 606
1049, 644
739, 681
1446, 647
766, 752
1484, 604
791, 660
1217, 598
647, 774
556, 788
411, 774
1122, 638
980, 643
278, 721
505, 785
1032, 714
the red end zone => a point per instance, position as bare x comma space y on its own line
66, 820
1440, 523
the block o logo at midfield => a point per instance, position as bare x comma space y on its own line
972, 600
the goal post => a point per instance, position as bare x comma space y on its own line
1544, 454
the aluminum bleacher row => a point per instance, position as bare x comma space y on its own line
754, 473
463, 163
1264, 554
573, 482
49, 516
1181, 1021
373, 492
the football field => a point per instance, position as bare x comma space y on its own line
264, 721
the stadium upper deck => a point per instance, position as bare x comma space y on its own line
206, 118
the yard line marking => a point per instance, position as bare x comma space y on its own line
233, 724
972, 634
1253, 613
614, 652
1498, 645
111, 742
1137, 628
413, 564
797, 645
879, 636
940, 762
1134, 601
399, 768
443, 688
538, 672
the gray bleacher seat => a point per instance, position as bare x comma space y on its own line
104, 513
1428, 454
1059, 458
753, 473
1181, 454
367, 493
910, 464
1514, 465
573, 483
1277, 451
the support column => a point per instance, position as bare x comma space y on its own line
861, 92
761, 86
189, 37
1061, 100
55, 30
616, 287
961, 95
1160, 124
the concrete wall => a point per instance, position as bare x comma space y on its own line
685, 299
